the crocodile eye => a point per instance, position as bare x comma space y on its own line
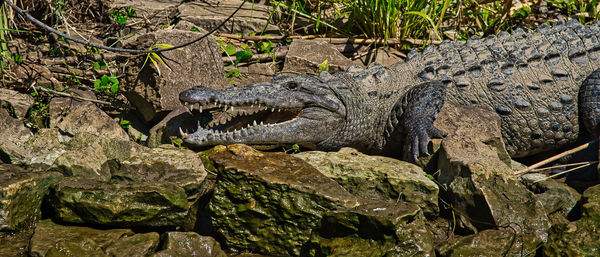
292, 85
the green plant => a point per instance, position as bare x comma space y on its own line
231, 50
155, 57
124, 124
122, 16
586, 11
107, 84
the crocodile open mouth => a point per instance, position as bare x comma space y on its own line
230, 123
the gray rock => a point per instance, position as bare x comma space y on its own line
167, 164
377, 177
373, 229
487, 243
305, 56
122, 204
578, 238
14, 133
19, 102
153, 93
252, 18
88, 118
269, 202
50, 239
15, 245
138, 245
189, 244
153, 13
557, 198
21, 194
60, 107
476, 173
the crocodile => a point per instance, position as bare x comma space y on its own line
543, 83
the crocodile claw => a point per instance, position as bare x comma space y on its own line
419, 136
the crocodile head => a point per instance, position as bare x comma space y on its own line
301, 109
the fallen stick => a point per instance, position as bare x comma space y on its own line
363, 41
555, 157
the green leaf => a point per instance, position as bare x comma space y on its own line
230, 49
324, 66
114, 88
242, 56
234, 72
194, 29
97, 85
124, 123
130, 11
296, 147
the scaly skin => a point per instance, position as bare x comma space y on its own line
541, 83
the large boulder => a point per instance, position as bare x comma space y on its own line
476, 175
88, 118
122, 204
377, 177
154, 91
14, 133
488, 243
269, 202
21, 194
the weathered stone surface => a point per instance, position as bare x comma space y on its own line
581, 237
557, 198
84, 161
167, 130
386, 56
51, 239
251, 73
269, 202
15, 245
475, 170
488, 243
167, 164
60, 107
122, 204
21, 194
138, 245
189, 244
155, 13
19, 102
13, 134
153, 92
305, 56
88, 118
377, 177
251, 18
373, 229
45, 146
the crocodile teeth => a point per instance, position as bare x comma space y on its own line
254, 123
183, 134
200, 108
272, 109
192, 107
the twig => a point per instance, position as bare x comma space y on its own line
78, 58
566, 171
281, 52
363, 41
562, 165
69, 95
555, 157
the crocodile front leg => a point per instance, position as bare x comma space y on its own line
415, 113
589, 103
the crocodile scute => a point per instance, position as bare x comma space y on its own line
543, 83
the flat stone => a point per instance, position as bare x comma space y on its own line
21, 194
122, 204
557, 198
487, 243
250, 19
88, 118
305, 56
377, 177
60, 106
189, 244
52, 238
13, 134
19, 102
268, 203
